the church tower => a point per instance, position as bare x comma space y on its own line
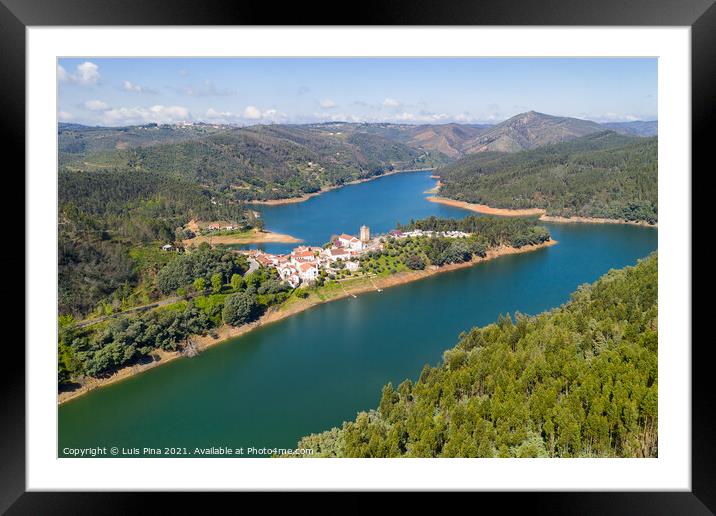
365, 234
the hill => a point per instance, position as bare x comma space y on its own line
528, 131
578, 381
265, 162
604, 175
450, 139
76, 141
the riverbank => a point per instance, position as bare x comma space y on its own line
293, 306
303, 198
531, 212
488, 210
594, 220
253, 236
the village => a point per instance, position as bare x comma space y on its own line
303, 265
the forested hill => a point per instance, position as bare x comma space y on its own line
264, 162
604, 175
76, 141
578, 381
109, 219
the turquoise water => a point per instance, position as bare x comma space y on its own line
314, 370
379, 204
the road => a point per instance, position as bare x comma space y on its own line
253, 265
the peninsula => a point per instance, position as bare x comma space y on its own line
529, 212
281, 286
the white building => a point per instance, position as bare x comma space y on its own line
336, 253
307, 272
350, 242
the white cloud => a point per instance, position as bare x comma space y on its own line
252, 113
96, 105
617, 117
65, 116
212, 113
140, 115
86, 74
327, 104
136, 88
388, 102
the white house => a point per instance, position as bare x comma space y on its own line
350, 242
303, 257
307, 272
293, 280
336, 253
352, 266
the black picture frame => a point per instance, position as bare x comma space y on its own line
700, 15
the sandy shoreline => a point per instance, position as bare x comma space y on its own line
530, 212
257, 237
594, 220
225, 332
483, 208
303, 198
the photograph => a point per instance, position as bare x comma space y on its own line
357, 257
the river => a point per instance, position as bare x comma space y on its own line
314, 370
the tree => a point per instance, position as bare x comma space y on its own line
415, 262
240, 308
216, 283
237, 281
199, 284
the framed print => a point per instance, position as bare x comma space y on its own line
437, 249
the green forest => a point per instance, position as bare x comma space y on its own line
211, 288
111, 225
249, 163
604, 175
580, 380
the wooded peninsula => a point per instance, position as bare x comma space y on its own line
210, 288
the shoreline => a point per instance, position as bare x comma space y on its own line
484, 208
226, 332
257, 237
530, 212
594, 220
304, 198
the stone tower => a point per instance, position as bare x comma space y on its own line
364, 234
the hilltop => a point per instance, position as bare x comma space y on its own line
530, 130
602, 175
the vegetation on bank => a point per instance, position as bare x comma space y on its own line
211, 291
578, 381
112, 224
212, 287
602, 175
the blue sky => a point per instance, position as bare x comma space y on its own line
125, 91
